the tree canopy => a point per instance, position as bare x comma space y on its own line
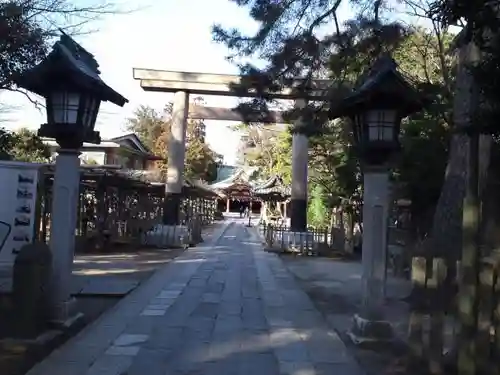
23, 145
27, 27
153, 128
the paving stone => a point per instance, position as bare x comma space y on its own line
176, 316
259, 363
214, 287
274, 302
276, 322
327, 351
230, 308
196, 323
122, 350
173, 294
297, 368
150, 362
231, 297
338, 368
193, 335
153, 312
176, 286
158, 307
165, 338
191, 358
252, 306
197, 283
167, 302
308, 319
221, 349
211, 297
255, 341
283, 336
250, 293
108, 365
192, 295
294, 351
127, 339
258, 322
226, 367
206, 310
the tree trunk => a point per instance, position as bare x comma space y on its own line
446, 234
349, 233
490, 228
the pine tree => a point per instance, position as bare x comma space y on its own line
288, 39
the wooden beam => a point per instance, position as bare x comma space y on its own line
228, 114
213, 84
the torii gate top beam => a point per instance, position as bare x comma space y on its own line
228, 114
213, 84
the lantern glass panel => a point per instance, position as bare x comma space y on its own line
90, 109
381, 125
64, 107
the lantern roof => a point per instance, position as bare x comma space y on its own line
377, 88
68, 63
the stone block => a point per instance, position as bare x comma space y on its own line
30, 289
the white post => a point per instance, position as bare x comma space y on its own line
369, 326
62, 237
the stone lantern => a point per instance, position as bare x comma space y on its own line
376, 107
68, 79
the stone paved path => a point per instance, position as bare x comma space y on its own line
228, 309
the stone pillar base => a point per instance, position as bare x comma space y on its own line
298, 215
172, 209
65, 314
371, 334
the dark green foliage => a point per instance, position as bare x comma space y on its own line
22, 40
27, 28
483, 23
288, 40
23, 145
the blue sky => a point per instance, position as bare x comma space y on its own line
167, 34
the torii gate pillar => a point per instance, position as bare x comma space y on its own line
176, 152
298, 204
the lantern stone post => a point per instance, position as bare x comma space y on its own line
68, 78
376, 107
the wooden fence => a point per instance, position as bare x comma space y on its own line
116, 210
439, 312
313, 241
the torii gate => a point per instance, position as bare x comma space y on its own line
184, 83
